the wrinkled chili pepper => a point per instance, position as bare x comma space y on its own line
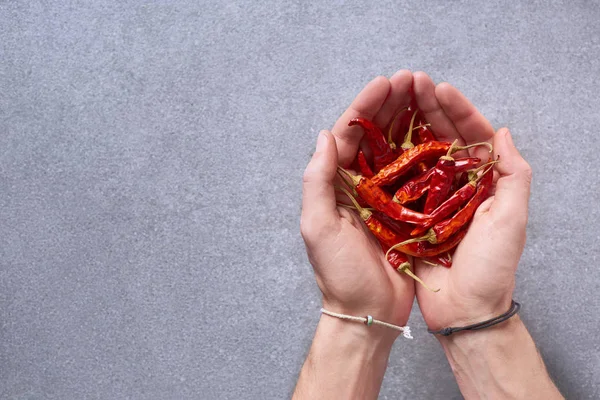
442, 178
365, 169
402, 117
452, 204
386, 238
382, 152
424, 132
414, 188
442, 231
408, 159
399, 261
421, 152
380, 200
417, 186
402, 228
425, 249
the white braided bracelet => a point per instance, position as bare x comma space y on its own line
369, 320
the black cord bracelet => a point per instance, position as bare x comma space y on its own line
514, 308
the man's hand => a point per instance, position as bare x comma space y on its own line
501, 361
481, 281
349, 264
348, 360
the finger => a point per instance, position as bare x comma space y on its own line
319, 209
398, 97
512, 188
433, 112
367, 104
471, 125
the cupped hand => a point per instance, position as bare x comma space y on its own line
480, 283
349, 264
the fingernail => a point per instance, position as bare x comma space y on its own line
322, 140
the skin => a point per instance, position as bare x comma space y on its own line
347, 359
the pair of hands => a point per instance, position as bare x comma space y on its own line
349, 265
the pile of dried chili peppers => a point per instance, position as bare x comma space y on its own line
416, 198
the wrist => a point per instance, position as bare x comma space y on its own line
468, 312
346, 360
478, 341
370, 342
498, 362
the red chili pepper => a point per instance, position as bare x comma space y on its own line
442, 178
380, 200
424, 132
439, 186
386, 237
413, 188
425, 249
451, 204
421, 152
442, 231
365, 169
401, 228
399, 261
406, 160
382, 152
403, 118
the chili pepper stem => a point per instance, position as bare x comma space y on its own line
408, 144
351, 207
405, 267
421, 126
430, 237
457, 148
355, 179
364, 214
473, 178
430, 263
389, 138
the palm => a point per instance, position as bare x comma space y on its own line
363, 277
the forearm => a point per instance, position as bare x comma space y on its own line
499, 362
347, 360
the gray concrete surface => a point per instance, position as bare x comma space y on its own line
151, 156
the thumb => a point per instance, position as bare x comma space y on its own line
512, 188
319, 210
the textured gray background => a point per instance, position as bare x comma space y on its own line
151, 156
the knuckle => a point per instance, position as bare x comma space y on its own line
527, 172
313, 228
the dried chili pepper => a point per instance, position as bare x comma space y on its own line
413, 188
402, 228
380, 200
399, 261
408, 159
421, 152
417, 186
425, 249
442, 231
424, 132
442, 178
382, 152
386, 238
452, 204
365, 169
